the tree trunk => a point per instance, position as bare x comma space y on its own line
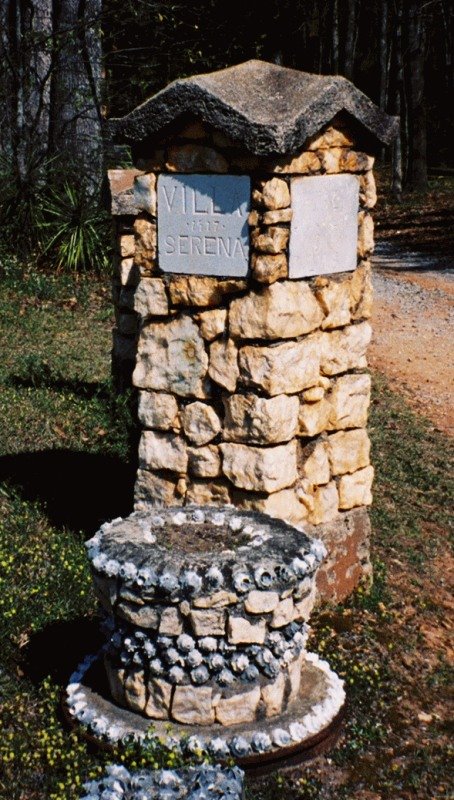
397, 146
349, 56
383, 58
417, 110
75, 97
335, 37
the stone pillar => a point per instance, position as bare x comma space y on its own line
242, 291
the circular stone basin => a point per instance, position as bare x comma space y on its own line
207, 612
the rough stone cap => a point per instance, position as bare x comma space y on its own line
266, 108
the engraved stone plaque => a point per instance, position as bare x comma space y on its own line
203, 224
324, 227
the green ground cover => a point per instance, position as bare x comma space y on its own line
65, 468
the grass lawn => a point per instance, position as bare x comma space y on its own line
65, 468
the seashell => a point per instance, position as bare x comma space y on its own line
235, 524
318, 549
218, 518
264, 578
137, 658
239, 662
216, 662
168, 581
249, 530
310, 560
146, 577
250, 674
198, 516
284, 572
208, 644
156, 667
185, 643
239, 746
225, 678
194, 658
191, 581
281, 737
200, 675
99, 725
149, 649
218, 747
179, 518
299, 567
128, 571
261, 742
242, 582
176, 675
172, 656
215, 577
111, 567
165, 642
99, 561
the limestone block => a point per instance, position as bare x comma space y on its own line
314, 394
223, 367
284, 505
306, 163
241, 631
273, 696
212, 493
283, 368
238, 708
159, 699
330, 137
145, 243
195, 158
209, 622
365, 234
272, 240
200, 422
325, 504
348, 451
158, 410
150, 298
115, 678
355, 489
153, 490
313, 417
260, 469
277, 217
145, 193
216, 600
304, 607
315, 463
212, 323
354, 161
268, 269
275, 194
260, 420
126, 245
330, 160
121, 191
193, 705
283, 613
345, 349
193, 290
171, 623
127, 324
204, 462
361, 292
367, 190
334, 298
280, 311
294, 673
349, 400
171, 356
258, 602
135, 693
162, 450
144, 616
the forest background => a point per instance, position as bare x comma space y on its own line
66, 65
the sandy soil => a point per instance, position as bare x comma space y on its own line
413, 338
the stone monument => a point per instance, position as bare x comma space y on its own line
242, 293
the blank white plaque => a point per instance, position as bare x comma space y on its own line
324, 227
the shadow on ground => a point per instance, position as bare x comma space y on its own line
59, 648
77, 490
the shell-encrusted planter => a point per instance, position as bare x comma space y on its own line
206, 619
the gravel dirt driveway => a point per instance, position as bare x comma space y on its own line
413, 330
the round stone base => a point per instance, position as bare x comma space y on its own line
307, 728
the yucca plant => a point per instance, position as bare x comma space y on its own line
76, 230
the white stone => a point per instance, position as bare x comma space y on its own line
260, 420
145, 193
239, 708
126, 245
192, 705
275, 194
144, 616
348, 451
282, 368
349, 400
334, 298
171, 623
204, 462
324, 228
135, 694
269, 268
345, 349
241, 631
223, 368
212, 323
208, 493
158, 410
272, 240
194, 290
218, 599
283, 310
304, 607
159, 699
294, 672
154, 490
159, 450
284, 505
355, 489
200, 422
283, 613
325, 504
313, 417
258, 602
150, 298
258, 468
365, 234
316, 465
171, 357
210, 622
